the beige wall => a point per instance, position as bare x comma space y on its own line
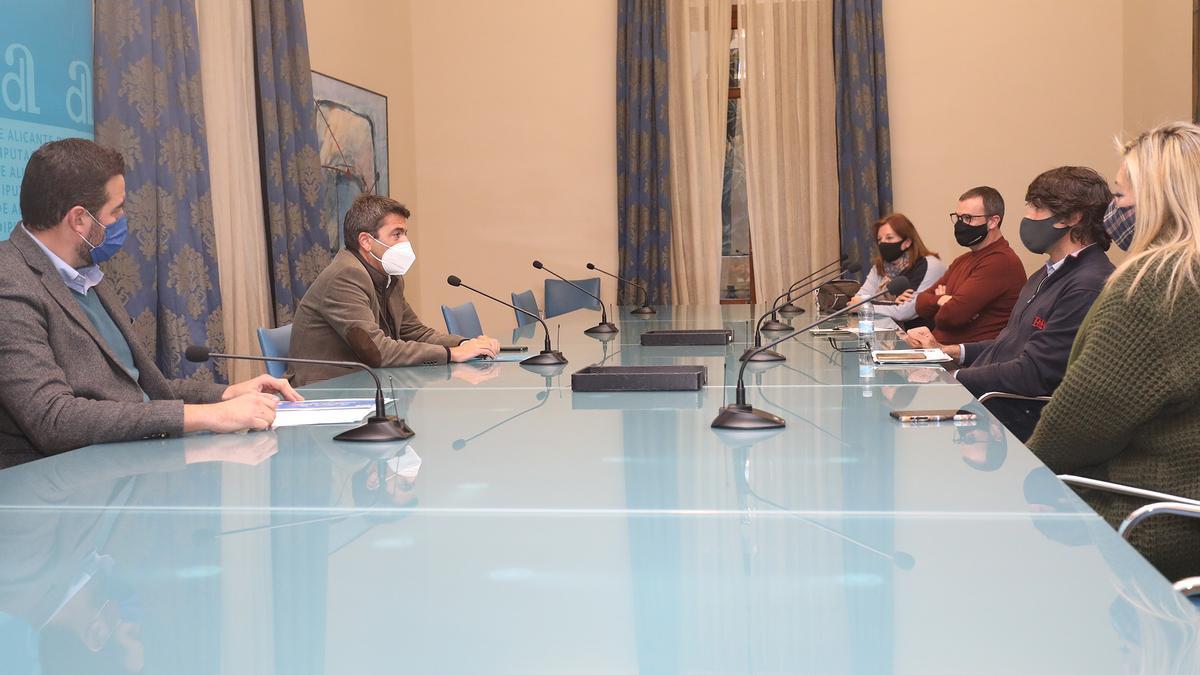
516, 156
985, 92
502, 117
502, 125
1157, 66
366, 42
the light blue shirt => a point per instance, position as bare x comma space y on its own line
1051, 268
78, 280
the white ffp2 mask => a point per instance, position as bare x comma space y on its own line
397, 259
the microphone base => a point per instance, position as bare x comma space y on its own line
552, 358
606, 327
746, 418
378, 430
768, 355
776, 326
644, 309
791, 309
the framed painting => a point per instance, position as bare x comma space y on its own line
352, 130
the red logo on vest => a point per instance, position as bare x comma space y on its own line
1039, 323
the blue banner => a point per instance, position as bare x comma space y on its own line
45, 86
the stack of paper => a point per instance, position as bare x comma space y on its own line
326, 411
910, 356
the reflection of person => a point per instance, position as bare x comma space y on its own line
983, 446
98, 628
973, 299
1064, 210
72, 373
58, 574
1157, 624
1128, 408
356, 309
900, 252
388, 481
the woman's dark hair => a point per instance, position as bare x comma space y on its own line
904, 229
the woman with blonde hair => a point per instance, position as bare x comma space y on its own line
1128, 408
900, 252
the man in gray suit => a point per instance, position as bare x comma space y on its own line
71, 371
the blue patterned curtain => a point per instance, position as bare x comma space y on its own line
149, 107
864, 143
643, 151
299, 246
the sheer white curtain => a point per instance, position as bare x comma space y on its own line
227, 77
788, 100
698, 33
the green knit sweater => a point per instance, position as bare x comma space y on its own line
1128, 411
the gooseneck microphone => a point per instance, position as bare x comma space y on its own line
645, 308
380, 427
827, 278
739, 415
775, 325
604, 326
790, 308
549, 355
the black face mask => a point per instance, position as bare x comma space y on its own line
1039, 235
891, 251
969, 235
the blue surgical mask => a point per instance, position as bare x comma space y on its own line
115, 234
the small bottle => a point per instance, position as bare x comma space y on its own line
866, 373
866, 323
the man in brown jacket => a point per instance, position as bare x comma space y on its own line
356, 311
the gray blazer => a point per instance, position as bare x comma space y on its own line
61, 387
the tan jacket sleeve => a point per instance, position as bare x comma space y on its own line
349, 308
410, 328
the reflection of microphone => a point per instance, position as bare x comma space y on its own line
379, 427
789, 308
542, 397
739, 415
645, 308
548, 357
604, 326
741, 445
900, 559
774, 324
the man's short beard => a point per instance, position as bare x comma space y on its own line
85, 254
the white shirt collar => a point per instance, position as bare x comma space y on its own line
79, 280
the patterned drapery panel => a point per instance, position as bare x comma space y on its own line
643, 151
291, 164
864, 143
149, 107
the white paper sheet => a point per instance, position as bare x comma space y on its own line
324, 411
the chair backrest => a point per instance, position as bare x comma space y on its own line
275, 342
527, 302
562, 297
462, 320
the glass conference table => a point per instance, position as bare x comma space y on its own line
527, 528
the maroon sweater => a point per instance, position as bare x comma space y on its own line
985, 285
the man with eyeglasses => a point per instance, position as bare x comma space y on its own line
975, 296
